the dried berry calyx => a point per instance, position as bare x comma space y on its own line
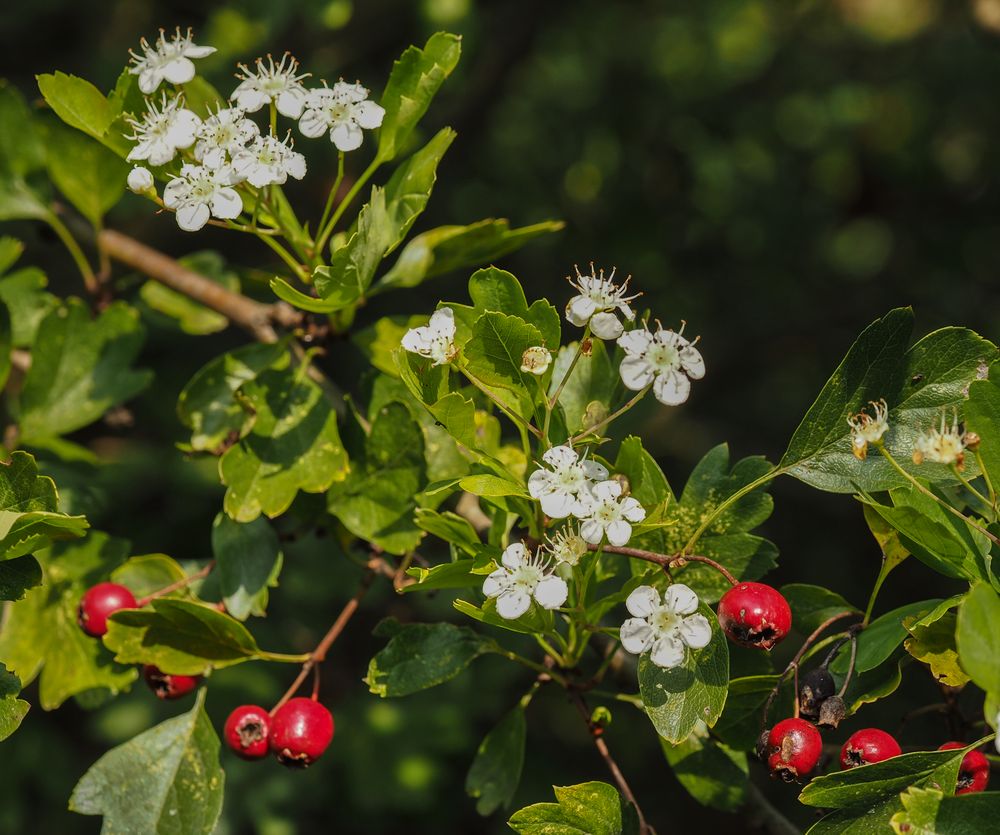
815, 688
755, 615
794, 747
832, 712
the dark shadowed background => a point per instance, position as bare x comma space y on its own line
776, 173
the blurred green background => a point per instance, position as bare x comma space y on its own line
776, 173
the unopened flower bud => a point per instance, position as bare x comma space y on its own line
972, 441
536, 360
140, 180
622, 479
595, 412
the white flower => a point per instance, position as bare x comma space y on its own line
567, 546
199, 192
561, 488
140, 180
665, 358
520, 578
269, 161
343, 110
162, 131
436, 339
868, 429
166, 60
536, 360
598, 299
942, 445
666, 627
276, 83
605, 512
223, 134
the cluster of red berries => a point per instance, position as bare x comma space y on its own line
297, 733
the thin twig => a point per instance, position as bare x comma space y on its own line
596, 733
201, 573
666, 561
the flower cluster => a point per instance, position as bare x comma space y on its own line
227, 149
941, 444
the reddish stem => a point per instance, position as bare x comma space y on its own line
665, 561
200, 574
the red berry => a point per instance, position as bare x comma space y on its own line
973, 773
867, 746
793, 749
99, 603
755, 615
301, 730
246, 731
168, 685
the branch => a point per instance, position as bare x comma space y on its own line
596, 734
665, 561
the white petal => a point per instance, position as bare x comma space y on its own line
251, 100
680, 599
443, 321
368, 114
608, 490
551, 592
290, 102
295, 165
579, 310
174, 193
594, 471
692, 362
667, 652
636, 635
643, 601
160, 152
195, 51
514, 555
636, 373
696, 631
538, 482
183, 126
512, 604
606, 326
671, 388
313, 124
632, 510
149, 80
618, 532
178, 71
560, 456
226, 204
140, 151
495, 583
211, 157
346, 136
416, 341
558, 504
192, 216
635, 342
592, 531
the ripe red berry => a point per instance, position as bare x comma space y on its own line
168, 685
99, 603
793, 749
755, 615
246, 731
301, 730
867, 746
974, 772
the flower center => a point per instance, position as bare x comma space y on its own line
606, 512
526, 577
339, 111
570, 478
440, 349
663, 357
664, 621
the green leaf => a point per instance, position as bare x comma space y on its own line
179, 636
812, 605
931, 812
422, 655
493, 356
934, 645
409, 188
90, 176
23, 294
587, 809
460, 574
165, 780
22, 151
445, 249
190, 316
492, 486
13, 709
497, 291
739, 726
19, 575
712, 774
414, 80
149, 573
677, 699
452, 528
496, 770
208, 406
882, 637
248, 559
589, 389
293, 445
19, 201
982, 416
353, 265
978, 638
77, 102
376, 500
81, 369
917, 383
41, 634
869, 784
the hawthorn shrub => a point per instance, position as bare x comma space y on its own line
485, 435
